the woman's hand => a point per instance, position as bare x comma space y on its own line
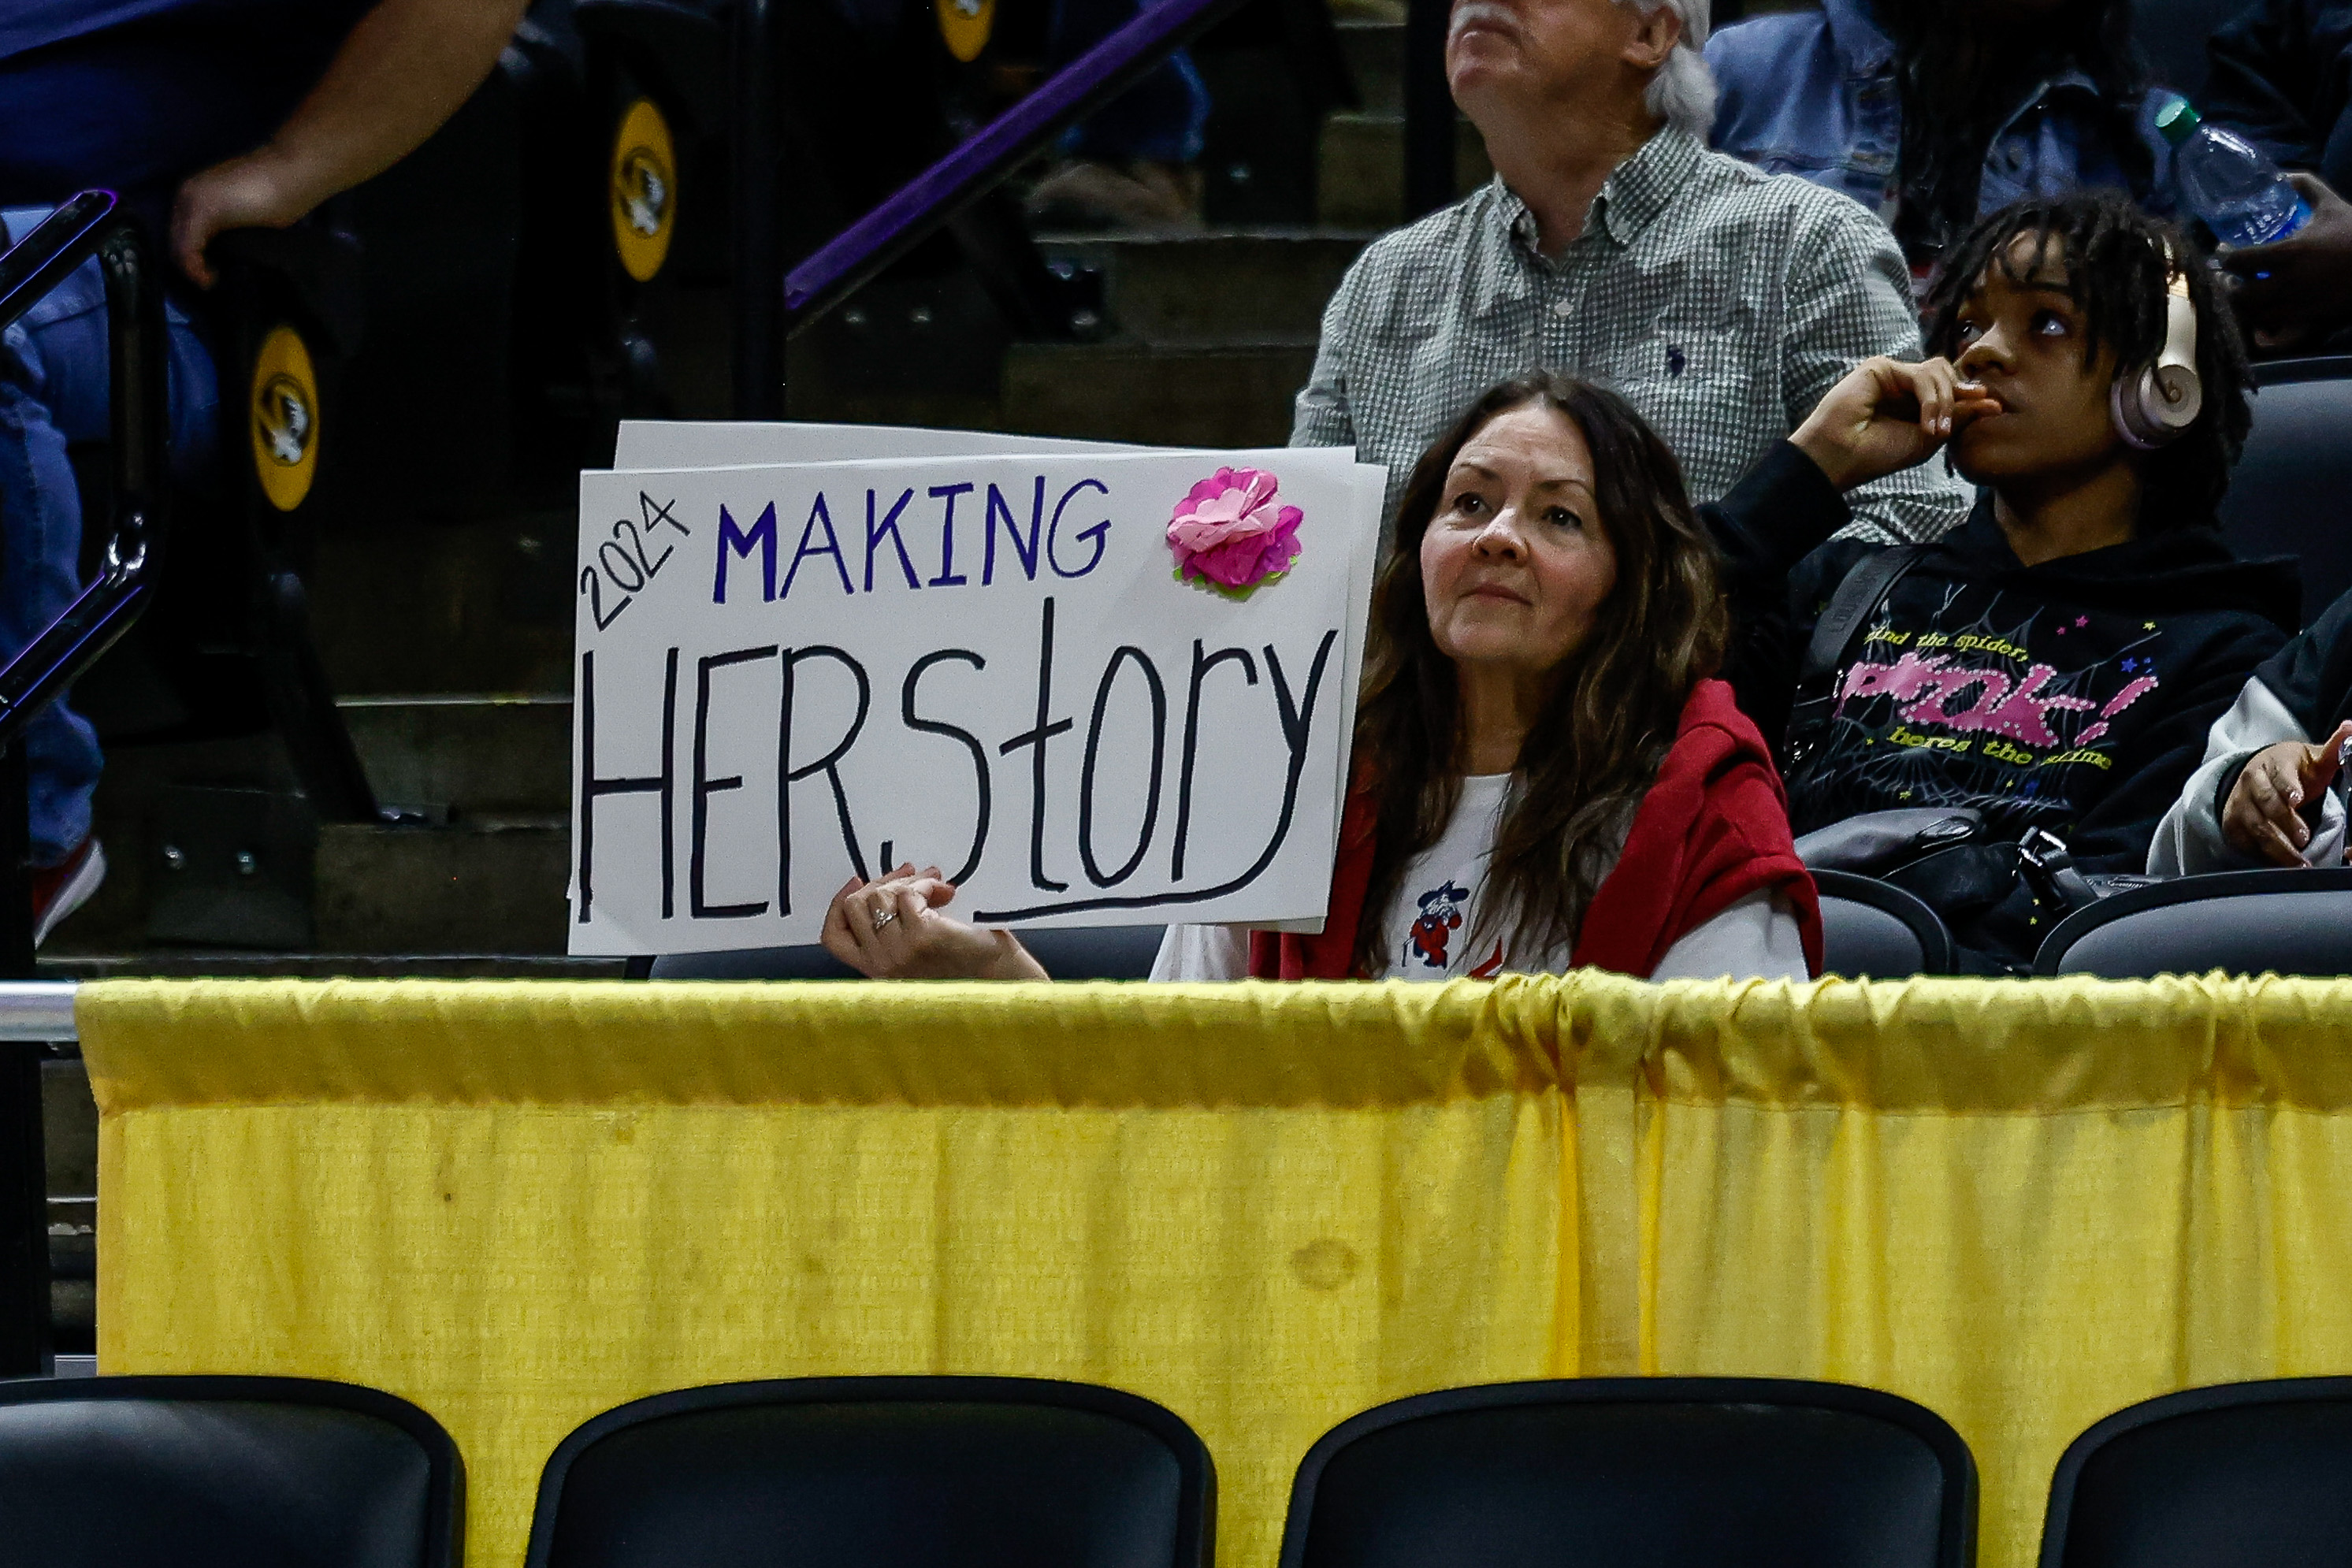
1888, 415
891, 929
2263, 815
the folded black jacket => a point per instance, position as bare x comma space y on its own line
2072, 696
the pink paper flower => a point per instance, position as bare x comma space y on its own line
1228, 533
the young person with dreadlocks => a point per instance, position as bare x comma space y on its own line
2055, 663
1932, 113
1547, 774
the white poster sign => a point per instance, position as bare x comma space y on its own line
1092, 688
716, 443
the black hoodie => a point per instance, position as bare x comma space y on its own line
2312, 675
2073, 695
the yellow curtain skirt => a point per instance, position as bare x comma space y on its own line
1265, 1206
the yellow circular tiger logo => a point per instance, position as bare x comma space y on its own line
645, 191
964, 27
285, 418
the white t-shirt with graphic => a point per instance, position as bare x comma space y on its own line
1429, 923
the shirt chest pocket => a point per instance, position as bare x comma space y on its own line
1677, 374
1678, 357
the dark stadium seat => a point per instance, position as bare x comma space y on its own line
2292, 492
879, 1472
2171, 35
1871, 928
1638, 1473
2244, 1475
224, 1472
2246, 922
1105, 952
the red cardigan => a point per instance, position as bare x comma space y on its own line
1713, 828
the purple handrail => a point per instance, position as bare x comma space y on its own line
940, 192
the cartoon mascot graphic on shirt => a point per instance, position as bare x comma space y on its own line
1440, 917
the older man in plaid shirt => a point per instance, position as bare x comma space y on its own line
1612, 245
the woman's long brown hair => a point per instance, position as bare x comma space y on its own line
1595, 746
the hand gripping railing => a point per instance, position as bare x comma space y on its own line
92, 224
919, 208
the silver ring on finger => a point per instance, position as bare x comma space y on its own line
883, 917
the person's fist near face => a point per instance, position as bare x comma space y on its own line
2264, 814
891, 929
2301, 288
1886, 415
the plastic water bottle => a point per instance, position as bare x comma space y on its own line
2226, 181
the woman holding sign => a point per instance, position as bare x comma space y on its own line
1547, 775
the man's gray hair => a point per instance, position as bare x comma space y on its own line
1682, 92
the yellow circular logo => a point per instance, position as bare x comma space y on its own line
645, 191
285, 416
964, 24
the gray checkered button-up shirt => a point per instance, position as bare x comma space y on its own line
1721, 301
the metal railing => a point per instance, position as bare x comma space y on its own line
38, 1012
766, 315
91, 225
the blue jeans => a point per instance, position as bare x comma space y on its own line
53, 390
1157, 120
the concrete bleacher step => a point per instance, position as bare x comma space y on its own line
1213, 335
1360, 179
483, 873
465, 753
447, 607
1375, 54
1263, 285
197, 963
484, 884
1197, 396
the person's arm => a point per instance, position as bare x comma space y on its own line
1849, 301
1202, 953
1320, 418
401, 72
2118, 833
2304, 690
1782, 509
2190, 839
1879, 417
1883, 416
1756, 937
2263, 809
1756, 63
1737, 57
1768, 523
